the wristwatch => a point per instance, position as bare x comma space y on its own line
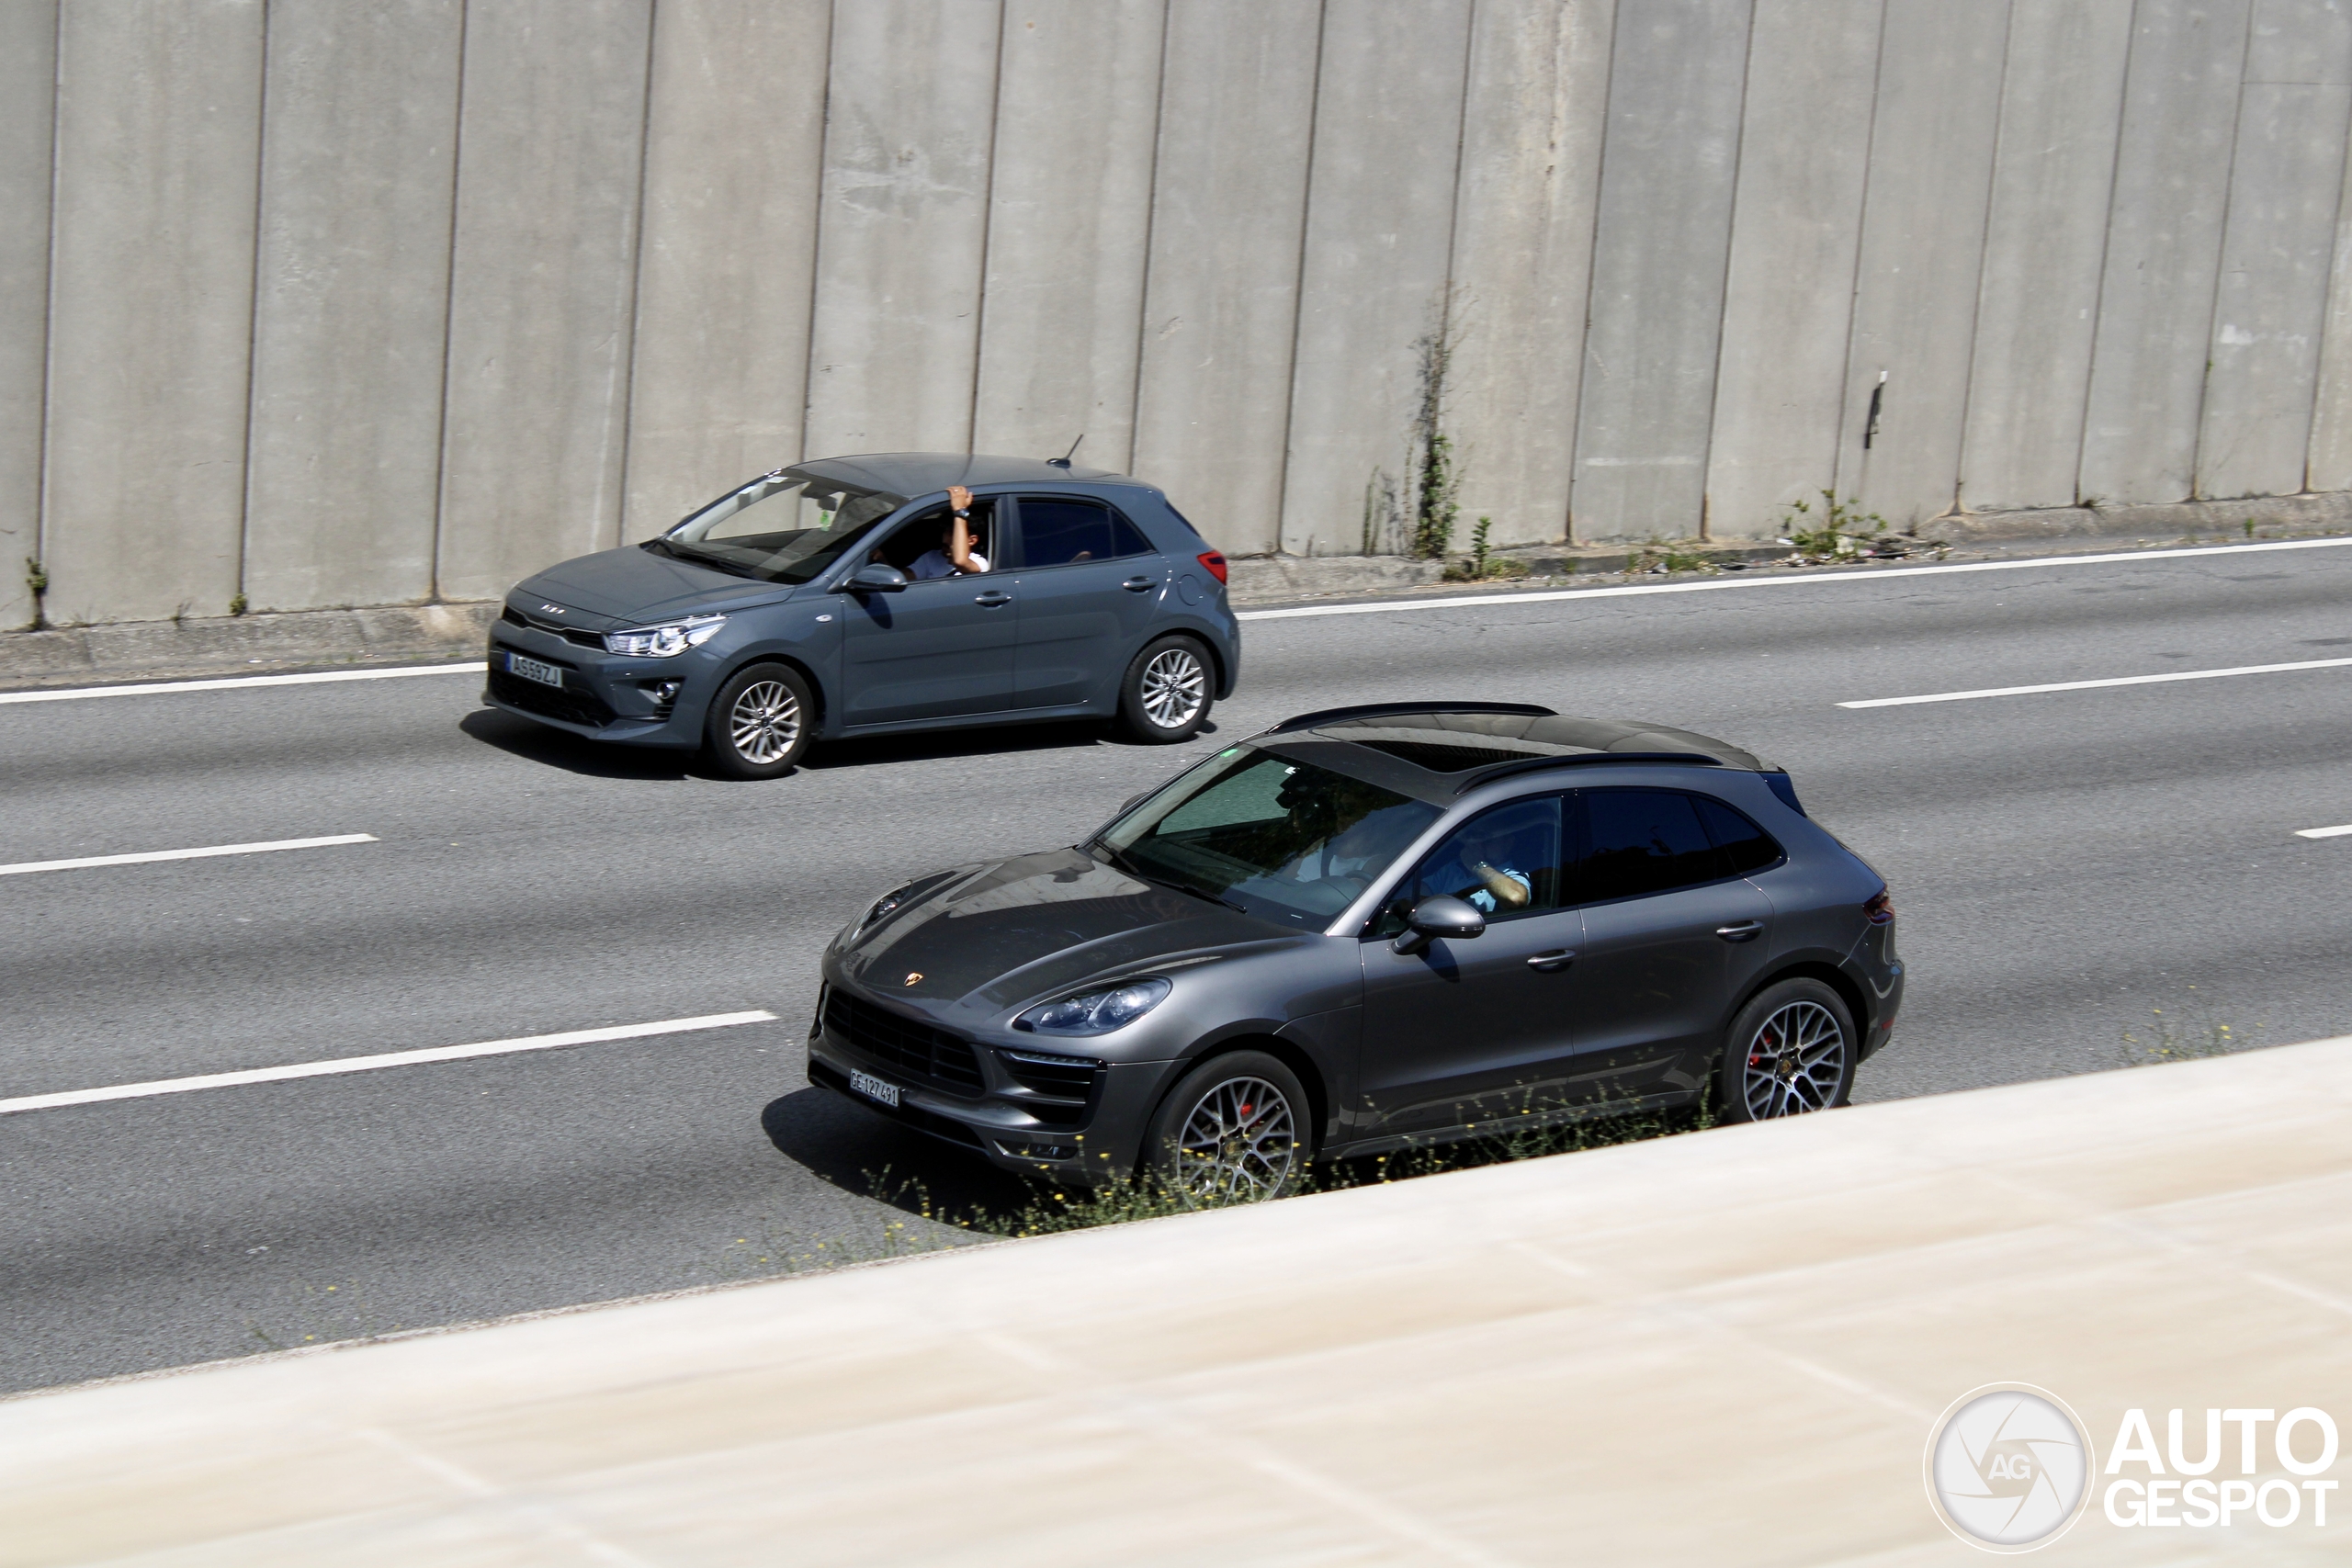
963, 512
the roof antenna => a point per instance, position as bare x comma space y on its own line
1063, 461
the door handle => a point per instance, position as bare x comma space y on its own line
1139, 585
1559, 958
1742, 932
992, 598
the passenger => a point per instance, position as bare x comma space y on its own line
954, 557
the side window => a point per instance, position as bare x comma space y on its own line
1745, 846
1643, 840
926, 533
1504, 862
1064, 530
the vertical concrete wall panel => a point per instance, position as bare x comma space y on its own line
1658, 268
27, 142
1070, 220
903, 226
1804, 148
548, 164
733, 155
2045, 243
1532, 126
2277, 247
2164, 247
359, 160
1923, 243
2329, 467
1221, 296
158, 128
1379, 200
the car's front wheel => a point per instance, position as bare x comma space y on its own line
1234, 1130
760, 722
1165, 696
1790, 1051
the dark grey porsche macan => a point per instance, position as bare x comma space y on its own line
814, 602
1366, 930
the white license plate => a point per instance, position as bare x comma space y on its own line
533, 670
874, 1087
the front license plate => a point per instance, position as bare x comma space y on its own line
533, 670
875, 1088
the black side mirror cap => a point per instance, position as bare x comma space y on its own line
1439, 916
877, 578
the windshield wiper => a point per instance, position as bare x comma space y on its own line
697, 558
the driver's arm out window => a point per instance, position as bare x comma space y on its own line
1504, 862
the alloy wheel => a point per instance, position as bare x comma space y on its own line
1175, 688
764, 722
1796, 1062
1238, 1143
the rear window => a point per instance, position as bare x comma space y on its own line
1066, 530
1644, 840
1745, 846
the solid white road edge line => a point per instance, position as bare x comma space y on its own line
186, 854
1713, 585
2343, 832
390, 1059
73, 693
2088, 685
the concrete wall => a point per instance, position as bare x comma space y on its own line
307, 304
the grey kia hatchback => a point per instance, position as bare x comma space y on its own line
800, 606
1370, 929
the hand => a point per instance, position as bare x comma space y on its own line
959, 498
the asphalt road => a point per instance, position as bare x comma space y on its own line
2065, 864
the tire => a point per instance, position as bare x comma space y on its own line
1790, 1050
1236, 1129
760, 723
1165, 695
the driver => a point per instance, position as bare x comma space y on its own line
1487, 854
954, 557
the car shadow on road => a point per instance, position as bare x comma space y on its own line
560, 749
875, 1157
932, 745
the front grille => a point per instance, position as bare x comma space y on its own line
570, 705
904, 1045
1063, 1086
514, 618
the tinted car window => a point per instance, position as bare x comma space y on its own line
1061, 530
1745, 846
1643, 840
1504, 862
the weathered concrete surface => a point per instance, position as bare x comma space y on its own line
28, 127
1923, 243
1532, 122
151, 324
1805, 150
542, 287
358, 163
2062, 99
1372, 271
1070, 223
719, 378
1658, 268
250, 645
1221, 299
1665, 1353
903, 226
2278, 248
2329, 463
2172, 179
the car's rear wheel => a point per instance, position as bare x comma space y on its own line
1165, 696
1790, 1051
1234, 1130
760, 722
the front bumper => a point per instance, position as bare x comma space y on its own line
604, 696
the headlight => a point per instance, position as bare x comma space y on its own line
890, 903
667, 641
1096, 1012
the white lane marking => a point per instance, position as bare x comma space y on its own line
2343, 832
2089, 686
207, 853
390, 1059
73, 693
1712, 585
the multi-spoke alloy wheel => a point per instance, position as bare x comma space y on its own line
1165, 695
1238, 1143
758, 724
1796, 1062
765, 723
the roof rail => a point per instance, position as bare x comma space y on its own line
1382, 710
1530, 764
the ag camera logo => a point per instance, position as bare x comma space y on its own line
2008, 1467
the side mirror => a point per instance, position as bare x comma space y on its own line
1439, 917
877, 578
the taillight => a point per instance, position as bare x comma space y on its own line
1214, 563
1880, 909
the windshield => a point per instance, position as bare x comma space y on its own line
784, 527
1283, 840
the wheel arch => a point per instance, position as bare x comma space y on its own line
1288, 1052
1858, 1010
790, 660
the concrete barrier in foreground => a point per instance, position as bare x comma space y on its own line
1720, 1348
